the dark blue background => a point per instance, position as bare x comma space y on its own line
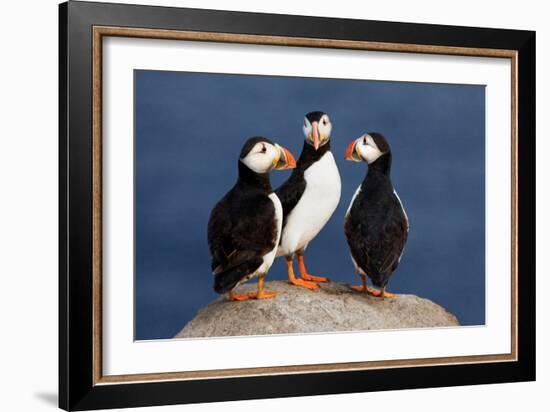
189, 129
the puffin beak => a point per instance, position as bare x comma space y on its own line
351, 153
315, 133
284, 160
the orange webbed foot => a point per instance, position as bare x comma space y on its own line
265, 294
311, 278
304, 274
381, 293
359, 288
296, 281
364, 289
239, 297
303, 283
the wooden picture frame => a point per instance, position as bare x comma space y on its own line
82, 27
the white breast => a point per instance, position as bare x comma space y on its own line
269, 257
315, 207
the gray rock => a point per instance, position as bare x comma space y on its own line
332, 307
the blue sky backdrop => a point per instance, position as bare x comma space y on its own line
189, 130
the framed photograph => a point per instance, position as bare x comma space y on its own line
257, 205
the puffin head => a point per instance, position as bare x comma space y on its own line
317, 128
367, 148
261, 155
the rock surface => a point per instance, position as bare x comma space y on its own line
332, 307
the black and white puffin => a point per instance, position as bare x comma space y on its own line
376, 224
309, 197
245, 225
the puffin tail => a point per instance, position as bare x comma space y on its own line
225, 281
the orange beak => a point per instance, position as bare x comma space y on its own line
348, 155
286, 160
351, 152
315, 132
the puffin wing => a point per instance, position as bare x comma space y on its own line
357, 242
377, 250
395, 236
290, 192
239, 235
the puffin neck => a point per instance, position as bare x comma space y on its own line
250, 178
309, 155
381, 165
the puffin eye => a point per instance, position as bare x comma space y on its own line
324, 121
365, 141
264, 149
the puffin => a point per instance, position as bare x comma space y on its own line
376, 224
244, 227
309, 197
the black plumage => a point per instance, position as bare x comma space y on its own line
291, 191
376, 225
315, 116
242, 227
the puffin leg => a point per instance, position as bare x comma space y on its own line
363, 288
292, 279
304, 273
262, 293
